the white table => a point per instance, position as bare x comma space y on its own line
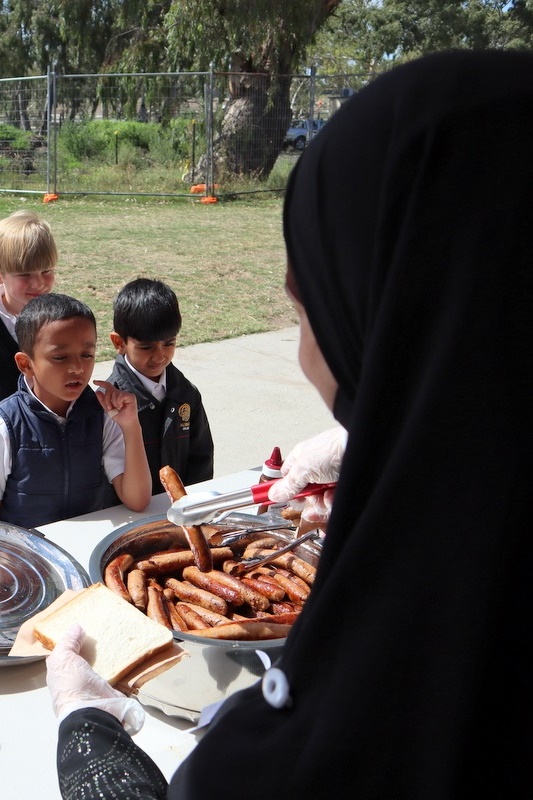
28, 728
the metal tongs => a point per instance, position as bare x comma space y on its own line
229, 537
201, 508
246, 564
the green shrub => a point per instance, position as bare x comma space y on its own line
137, 134
16, 138
182, 132
117, 141
83, 140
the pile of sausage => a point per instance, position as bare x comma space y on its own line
193, 589
171, 589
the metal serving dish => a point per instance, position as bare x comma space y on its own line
213, 669
33, 573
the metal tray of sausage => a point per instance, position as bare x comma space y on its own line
33, 573
211, 670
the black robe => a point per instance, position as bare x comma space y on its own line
409, 227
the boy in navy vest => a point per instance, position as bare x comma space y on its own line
58, 446
146, 321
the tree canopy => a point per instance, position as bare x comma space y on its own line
367, 36
257, 44
270, 36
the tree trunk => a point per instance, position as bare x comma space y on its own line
255, 119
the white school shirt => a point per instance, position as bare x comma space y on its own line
113, 450
157, 388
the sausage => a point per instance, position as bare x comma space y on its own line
255, 599
300, 582
297, 565
284, 618
212, 582
171, 483
266, 577
294, 592
273, 591
173, 486
257, 544
199, 546
241, 593
221, 554
114, 575
288, 560
176, 560
291, 514
155, 608
211, 618
247, 629
191, 617
229, 565
287, 607
193, 594
161, 563
176, 620
294, 578
136, 583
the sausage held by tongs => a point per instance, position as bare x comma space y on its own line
175, 489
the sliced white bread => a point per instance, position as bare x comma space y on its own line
118, 635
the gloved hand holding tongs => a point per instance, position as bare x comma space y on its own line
303, 469
315, 460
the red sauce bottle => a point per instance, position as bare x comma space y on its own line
271, 470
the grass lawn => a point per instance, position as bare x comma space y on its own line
226, 262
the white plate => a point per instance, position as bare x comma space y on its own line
209, 673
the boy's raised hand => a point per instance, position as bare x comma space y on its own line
121, 406
134, 485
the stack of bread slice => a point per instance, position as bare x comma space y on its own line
118, 637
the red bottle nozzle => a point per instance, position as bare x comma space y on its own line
275, 461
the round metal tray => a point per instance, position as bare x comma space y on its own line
33, 573
212, 669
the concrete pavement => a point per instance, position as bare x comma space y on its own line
255, 396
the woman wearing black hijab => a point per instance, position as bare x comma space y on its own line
409, 231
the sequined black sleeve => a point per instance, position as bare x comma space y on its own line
97, 759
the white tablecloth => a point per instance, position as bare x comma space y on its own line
28, 728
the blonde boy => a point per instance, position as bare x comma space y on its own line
28, 258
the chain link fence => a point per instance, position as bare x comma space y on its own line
160, 134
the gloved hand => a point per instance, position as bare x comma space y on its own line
73, 684
315, 460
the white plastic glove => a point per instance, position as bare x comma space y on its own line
315, 460
73, 684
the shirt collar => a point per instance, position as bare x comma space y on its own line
148, 383
29, 386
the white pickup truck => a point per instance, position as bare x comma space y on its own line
298, 134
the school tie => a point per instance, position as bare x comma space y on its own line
159, 392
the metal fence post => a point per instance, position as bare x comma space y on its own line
311, 114
210, 93
54, 124
49, 93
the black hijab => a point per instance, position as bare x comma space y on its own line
409, 228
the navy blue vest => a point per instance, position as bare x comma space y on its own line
56, 468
